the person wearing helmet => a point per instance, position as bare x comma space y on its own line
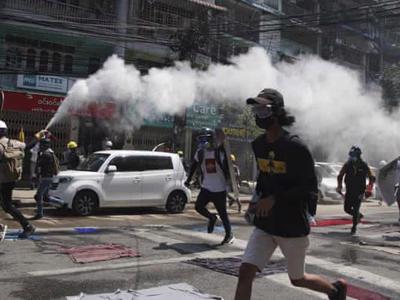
46, 168
210, 159
107, 145
71, 156
286, 188
355, 172
7, 183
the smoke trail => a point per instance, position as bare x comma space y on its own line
333, 110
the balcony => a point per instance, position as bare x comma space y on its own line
57, 10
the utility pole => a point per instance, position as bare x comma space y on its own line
122, 9
190, 41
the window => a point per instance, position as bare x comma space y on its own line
118, 162
31, 60
157, 163
14, 58
127, 164
43, 61
56, 65
68, 62
133, 164
94, 64
93, 162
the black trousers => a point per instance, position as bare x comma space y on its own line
6, 190
352, 204
219, 201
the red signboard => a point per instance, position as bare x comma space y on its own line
28, 102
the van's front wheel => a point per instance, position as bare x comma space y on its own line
85, 203
176, 202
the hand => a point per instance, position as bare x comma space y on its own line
264, 205
339, 190
41, 134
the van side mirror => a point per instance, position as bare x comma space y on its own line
111, 169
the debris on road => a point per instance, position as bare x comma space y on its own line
180, 291
231, 265
95, 253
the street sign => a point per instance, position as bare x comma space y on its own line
203, 115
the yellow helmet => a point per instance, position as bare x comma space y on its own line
180, 152
72, 145
233, 157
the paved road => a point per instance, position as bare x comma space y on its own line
167, 243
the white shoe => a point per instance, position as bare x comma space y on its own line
3, 231
311, 220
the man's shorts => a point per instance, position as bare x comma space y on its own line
262, 245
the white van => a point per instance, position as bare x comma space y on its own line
123, 178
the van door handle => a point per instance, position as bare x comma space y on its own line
168, 178
136, 180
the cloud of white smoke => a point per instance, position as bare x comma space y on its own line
332, 108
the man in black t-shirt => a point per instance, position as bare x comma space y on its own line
355, 172
286, 190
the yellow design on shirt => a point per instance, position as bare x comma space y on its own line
271, 166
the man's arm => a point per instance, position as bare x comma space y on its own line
193, 166
340, 179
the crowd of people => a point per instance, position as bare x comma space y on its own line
283, 203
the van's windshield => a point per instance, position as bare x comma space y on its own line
93, 162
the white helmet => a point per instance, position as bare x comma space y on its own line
3, 125
108, 144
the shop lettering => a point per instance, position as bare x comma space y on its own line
235, 132
29, 80
52, 80
50, 102
204, 109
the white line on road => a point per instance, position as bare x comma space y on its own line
340, 268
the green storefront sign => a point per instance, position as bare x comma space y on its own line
197, 116
203, 115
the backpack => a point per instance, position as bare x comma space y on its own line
56, 164
11, 162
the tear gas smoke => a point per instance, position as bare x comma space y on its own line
332, 109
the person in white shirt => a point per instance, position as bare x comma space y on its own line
211, 160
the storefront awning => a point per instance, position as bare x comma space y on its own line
209, 5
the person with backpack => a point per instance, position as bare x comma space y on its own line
11, 157
355, 172
46, 168
286, 187
211, 160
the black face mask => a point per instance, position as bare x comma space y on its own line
265, 123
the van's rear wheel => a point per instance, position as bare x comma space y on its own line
85, 203
176, 202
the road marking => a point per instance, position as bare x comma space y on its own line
340, 268
137, 263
